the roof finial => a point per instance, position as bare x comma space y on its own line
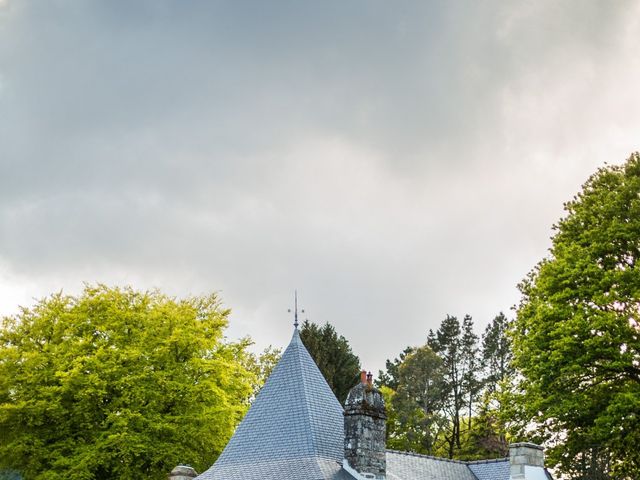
295, 310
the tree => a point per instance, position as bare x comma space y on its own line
391, 376
455, 344
577, 331
116, 383
261, 366
333, 355
471, 384
418, 402
496, 353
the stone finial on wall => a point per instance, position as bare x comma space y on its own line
183, 472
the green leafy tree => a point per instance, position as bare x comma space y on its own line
391, 376
486, 436
333, 355
417, 420
577, 332
261, 366
116, 383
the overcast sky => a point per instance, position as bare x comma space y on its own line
393, 161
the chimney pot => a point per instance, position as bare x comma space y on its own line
363, 376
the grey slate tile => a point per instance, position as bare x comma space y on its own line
491, 469
294, 427
411, 466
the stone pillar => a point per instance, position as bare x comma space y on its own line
522, 455
183, 472
365, 430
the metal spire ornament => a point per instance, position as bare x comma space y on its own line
295, 309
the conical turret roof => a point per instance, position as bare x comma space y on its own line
293, 430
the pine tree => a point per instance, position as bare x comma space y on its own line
332, 353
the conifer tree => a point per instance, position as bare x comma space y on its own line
332, 353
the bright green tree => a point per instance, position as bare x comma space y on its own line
577, 332
261, 366
332, 353
116, 383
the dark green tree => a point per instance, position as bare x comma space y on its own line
577, 332
471, 364
496, 353
116, 383
333, 355
447, 343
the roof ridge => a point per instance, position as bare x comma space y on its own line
431, 457
487, 460
296, 336
450, 460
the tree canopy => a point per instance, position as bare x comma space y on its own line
441, 396
116, 383
332, 353
577, 332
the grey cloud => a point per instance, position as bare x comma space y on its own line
394, 162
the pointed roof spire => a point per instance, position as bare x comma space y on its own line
295, 310
293, 430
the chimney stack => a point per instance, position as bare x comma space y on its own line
365, 430
526, 461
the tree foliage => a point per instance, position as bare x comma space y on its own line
332, 353
577, 333
116, 383
456, 345
441, 396
261, 366
496, 353
391, 376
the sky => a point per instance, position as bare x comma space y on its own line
393, 162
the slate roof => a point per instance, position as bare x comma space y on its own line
293, 430
490, 469
411, 466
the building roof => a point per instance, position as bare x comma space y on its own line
413, 466
293, 430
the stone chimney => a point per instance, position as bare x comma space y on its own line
526, 461
183, 472
365, 430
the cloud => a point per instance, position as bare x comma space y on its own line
394, 163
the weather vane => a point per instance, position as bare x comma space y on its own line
295, 309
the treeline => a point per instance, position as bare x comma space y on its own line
117, 383
443, 397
